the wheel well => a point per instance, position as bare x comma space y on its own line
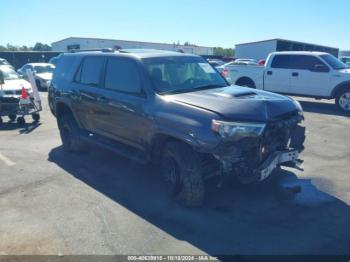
62, 109
245, 80
159, 142
340, 88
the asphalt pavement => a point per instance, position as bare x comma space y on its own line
100, 203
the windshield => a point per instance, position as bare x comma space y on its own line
44, 69
182, 74
9, 74
334, 62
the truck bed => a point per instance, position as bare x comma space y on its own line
256, 73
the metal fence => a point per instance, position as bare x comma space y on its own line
19, 58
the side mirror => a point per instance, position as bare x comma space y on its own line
320, 68
2, 80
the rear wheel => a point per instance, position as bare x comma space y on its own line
36, 117
342, 100
182, 174
246, 82
21, 121
12, 118
70, 134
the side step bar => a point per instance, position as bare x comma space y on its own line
116, 148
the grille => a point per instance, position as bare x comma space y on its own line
13, 92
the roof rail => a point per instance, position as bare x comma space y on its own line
104, 50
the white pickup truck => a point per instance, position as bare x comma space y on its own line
309, 74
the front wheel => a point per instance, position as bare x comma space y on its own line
182, 174
70, 134
342, 100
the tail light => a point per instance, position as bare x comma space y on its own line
224, 72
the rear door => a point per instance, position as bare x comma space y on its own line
125, 102
87, 91
277, 74
309, 76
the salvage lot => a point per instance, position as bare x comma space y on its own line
99, 203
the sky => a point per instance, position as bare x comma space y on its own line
208, 22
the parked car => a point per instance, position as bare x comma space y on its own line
11, 85
345, 60
175, 110
54, 60
4, 62
216, 62
224, 72
242, 61
310, 74
42, 73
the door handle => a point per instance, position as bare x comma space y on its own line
295, 74
269, 73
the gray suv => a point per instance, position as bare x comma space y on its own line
176, 111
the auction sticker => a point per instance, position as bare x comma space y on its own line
207, 68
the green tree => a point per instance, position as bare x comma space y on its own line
41, 47
224, 51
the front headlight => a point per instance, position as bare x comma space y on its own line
299, 107
232, 130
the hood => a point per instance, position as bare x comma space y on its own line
16, 84
239, 103
44, 76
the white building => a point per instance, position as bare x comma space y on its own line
261, 49
344, 53
81, 43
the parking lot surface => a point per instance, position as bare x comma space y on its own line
100, 203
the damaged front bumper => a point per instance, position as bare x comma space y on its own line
288, 157
253, 160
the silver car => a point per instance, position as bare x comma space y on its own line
42, 73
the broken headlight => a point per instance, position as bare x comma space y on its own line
231, 130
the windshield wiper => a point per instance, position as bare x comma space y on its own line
192, 89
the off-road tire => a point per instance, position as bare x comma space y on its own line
70, 134
189, 189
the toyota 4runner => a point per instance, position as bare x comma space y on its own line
177, 111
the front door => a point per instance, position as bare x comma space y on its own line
125, 102
309, 76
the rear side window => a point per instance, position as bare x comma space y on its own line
66, 67
90, 71
122, 75
304, 62
281, 61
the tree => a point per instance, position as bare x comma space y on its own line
41, 47
224, 51
37, 47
